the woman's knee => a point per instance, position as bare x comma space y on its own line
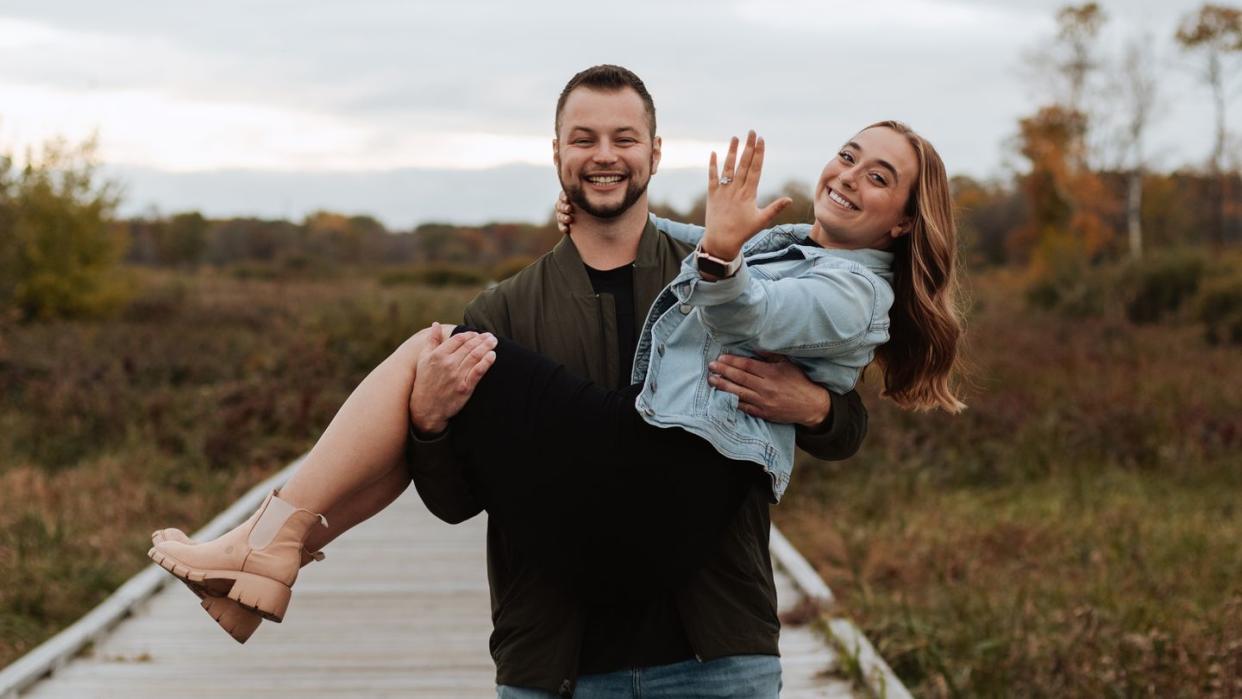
428, 334
414, 344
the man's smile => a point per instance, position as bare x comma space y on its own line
602, 181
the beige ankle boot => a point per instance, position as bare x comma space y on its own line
236, 620
254, 564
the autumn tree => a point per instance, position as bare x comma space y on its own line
1068, 205
1215, 33
59, 251
1068, 64
1047, 140
1078, 26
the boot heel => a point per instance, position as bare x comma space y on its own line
269, 598
236, 620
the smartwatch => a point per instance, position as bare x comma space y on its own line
721, 269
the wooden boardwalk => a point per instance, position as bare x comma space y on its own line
399, 609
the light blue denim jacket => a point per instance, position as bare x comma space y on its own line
825, 309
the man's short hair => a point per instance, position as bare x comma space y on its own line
607, 78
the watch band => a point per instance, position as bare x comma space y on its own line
721, 269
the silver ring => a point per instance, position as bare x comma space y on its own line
725, 180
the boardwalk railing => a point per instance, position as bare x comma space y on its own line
843, 633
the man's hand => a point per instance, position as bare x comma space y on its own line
446, 376
771, 388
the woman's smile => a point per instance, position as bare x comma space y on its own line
841, 201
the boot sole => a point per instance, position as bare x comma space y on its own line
266, 597
237, 621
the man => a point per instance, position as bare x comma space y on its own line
583, 305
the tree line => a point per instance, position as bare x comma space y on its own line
324, 240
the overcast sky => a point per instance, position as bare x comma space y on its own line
443, 110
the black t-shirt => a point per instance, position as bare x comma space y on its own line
619, 283
629, 634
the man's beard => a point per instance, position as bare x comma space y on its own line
577, 196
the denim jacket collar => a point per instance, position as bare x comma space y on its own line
786, 240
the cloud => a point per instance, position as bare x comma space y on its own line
175, 134
910, 17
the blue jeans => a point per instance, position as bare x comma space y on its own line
732, 677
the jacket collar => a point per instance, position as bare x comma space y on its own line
877, 261
572, 269
785, 242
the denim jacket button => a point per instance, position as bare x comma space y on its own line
685, 309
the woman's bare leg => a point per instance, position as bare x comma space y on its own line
360, 505
368, 435
354, 470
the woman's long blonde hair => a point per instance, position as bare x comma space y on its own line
921, 356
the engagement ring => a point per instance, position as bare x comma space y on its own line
726, 180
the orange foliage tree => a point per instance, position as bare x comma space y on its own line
1068, 205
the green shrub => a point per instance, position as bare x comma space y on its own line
435, 275
1064, 280
58, 248
1159, 285
1074, 291
1219, 307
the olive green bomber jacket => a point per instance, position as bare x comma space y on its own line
728, 607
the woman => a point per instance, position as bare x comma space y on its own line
821, 294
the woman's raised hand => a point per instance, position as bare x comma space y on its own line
732, 215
